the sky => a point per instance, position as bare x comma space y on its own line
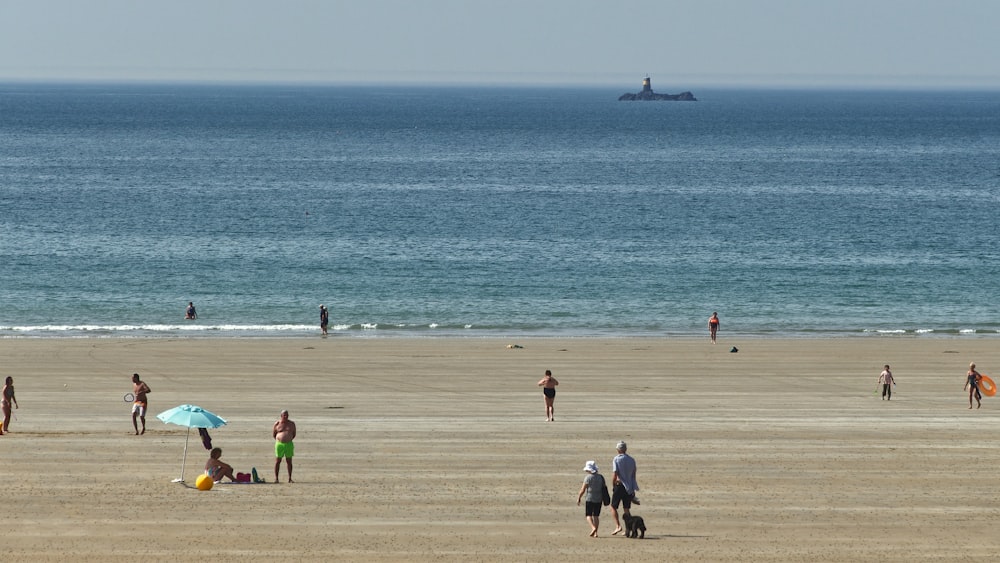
681, 44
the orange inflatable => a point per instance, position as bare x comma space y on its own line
986, 386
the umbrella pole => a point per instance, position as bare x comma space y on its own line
184, 461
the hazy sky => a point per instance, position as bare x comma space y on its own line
681, 43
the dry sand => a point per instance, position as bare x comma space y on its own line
437, 450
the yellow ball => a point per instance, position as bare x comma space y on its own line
204, 483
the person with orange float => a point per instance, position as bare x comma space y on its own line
972, 380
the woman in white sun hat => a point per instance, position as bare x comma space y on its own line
593, 486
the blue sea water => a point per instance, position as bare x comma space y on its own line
495, 212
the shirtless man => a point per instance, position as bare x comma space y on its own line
139, 389
6, 399
284, 433
548, 385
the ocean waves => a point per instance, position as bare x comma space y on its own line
444, 330
496, 213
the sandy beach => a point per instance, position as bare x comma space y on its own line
437, 449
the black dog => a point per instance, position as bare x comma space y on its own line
635, 527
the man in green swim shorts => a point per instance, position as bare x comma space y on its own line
284, 433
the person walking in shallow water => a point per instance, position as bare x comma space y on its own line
972, 378
548, 385
324, 318
885, 379
713, 326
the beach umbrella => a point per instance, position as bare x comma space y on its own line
193, 417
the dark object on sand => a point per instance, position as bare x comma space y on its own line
635, 526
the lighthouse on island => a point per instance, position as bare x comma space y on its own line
647, 93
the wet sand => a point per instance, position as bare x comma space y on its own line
437, 449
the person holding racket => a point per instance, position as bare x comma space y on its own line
139, 390
6, 400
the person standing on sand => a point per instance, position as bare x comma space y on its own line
625, 485
885, 379
190, 313
6, 400
593, 485
972, 378
139, 404
713, 326
548, 385
324, 318
284, 433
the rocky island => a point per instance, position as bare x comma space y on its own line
647, 93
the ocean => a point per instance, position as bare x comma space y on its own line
496, 212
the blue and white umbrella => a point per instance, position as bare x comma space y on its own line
193, 417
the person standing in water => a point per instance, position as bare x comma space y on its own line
324, 318
548, 385
190, 313
713, 326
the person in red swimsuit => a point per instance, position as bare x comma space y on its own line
713, 326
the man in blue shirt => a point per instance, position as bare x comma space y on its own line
624, 482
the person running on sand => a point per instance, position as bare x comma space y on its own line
593, 485
139, 404
713, 326
216, 468
972, 378
548, 385
885, 379
6, 400
284, 433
